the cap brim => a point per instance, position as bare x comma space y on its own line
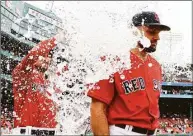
159, 26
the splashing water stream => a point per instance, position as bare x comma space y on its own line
95, 29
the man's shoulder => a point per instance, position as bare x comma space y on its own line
154, 60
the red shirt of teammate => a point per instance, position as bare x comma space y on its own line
31, 104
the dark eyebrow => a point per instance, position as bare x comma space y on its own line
152, 30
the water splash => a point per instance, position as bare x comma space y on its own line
93, 33
95, 30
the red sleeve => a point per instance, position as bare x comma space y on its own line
103, 91
21, 73
42, 49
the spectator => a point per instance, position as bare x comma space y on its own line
5, 130
176, 125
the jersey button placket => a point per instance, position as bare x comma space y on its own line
148, 82
147, 71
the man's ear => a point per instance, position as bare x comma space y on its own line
139, 28
137, 31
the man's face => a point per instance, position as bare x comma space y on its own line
152, 33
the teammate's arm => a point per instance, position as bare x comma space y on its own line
99, 123
39, 50
21, 73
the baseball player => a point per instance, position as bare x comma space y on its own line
129, 104
31, 103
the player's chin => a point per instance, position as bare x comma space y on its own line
153, 46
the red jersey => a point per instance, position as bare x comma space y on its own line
31, 105
133, 96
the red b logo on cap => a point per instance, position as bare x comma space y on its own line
156, 17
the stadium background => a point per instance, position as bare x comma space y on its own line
176, 98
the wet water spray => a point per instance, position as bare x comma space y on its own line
96, 33
94, 30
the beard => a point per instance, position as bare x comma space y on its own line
150, 49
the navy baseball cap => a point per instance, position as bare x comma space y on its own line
148, 18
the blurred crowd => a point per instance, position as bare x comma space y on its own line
175, 124
179, 92
177, 73
6, 121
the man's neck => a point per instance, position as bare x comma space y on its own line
140, 53
143, 53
